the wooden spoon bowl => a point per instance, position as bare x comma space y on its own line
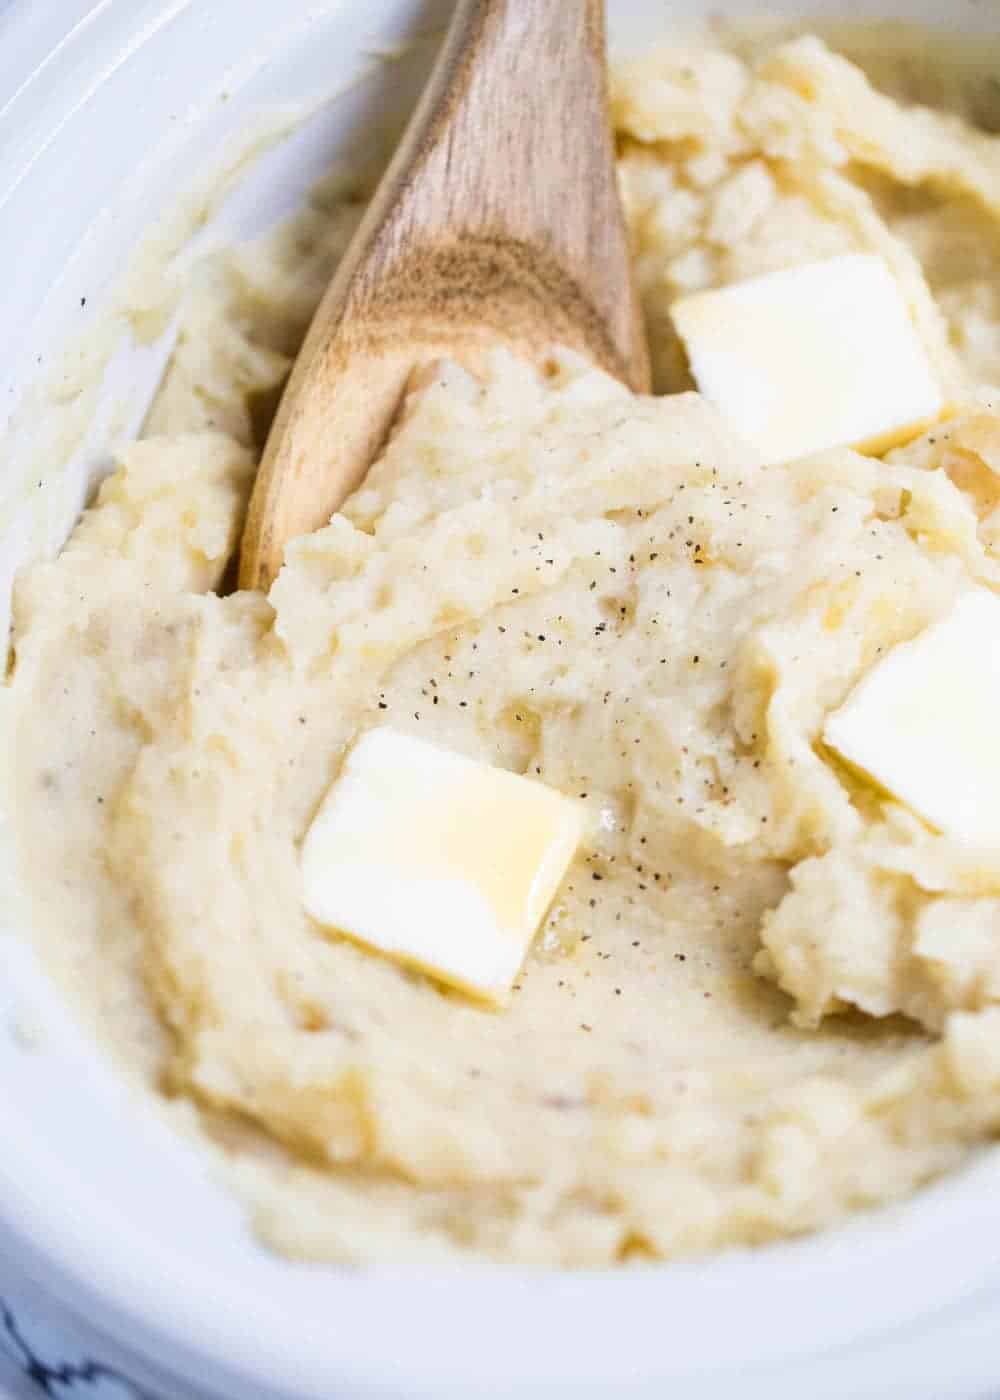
497, 221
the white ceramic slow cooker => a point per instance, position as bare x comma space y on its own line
109, 110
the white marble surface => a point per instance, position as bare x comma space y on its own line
40, 1359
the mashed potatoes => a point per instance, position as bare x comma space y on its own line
765, 996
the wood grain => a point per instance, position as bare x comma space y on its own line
498, 220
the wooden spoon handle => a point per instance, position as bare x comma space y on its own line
498, 220
512, 132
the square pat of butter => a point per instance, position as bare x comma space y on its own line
925, 722
812, 357
435, 859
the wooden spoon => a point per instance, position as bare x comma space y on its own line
497, 221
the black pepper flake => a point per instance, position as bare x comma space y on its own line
595, 876
382, 705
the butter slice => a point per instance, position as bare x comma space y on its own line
817, 356
439, 861
925, 722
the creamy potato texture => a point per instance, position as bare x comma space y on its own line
766, 995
